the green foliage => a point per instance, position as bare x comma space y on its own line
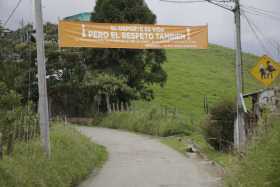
140, 67
219, 126
261, 165
104, 83
149, 121
73, 158
123, 11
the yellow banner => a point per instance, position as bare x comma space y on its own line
131, 36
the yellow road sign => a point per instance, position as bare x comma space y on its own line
266, 71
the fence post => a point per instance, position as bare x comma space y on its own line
114, 107
127, 107
122, 108
1, 147
118, 107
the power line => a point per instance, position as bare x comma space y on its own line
259, 12
12, 13
214, 2
258, 34
195, 1
184, 2
273, 43
219, 5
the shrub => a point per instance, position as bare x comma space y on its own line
219, 126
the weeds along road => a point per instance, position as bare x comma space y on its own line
142, 161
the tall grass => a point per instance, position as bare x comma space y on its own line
261, 165
147, 120
73, 158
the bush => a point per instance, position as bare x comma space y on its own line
150, 121
73, 158
219, 126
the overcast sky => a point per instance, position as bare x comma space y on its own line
220, 21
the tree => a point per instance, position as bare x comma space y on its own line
141, 68
108, 85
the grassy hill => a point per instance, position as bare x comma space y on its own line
193, 74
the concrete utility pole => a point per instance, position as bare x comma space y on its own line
42, 85
239, 125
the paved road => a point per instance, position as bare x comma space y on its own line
141, 161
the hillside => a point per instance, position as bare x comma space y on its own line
193, 74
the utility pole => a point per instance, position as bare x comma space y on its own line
42, 85
239, 125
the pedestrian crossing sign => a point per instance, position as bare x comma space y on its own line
266, 71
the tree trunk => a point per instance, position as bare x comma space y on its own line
108, 103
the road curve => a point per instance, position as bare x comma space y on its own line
142, 161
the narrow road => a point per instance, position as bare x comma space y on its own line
142, 161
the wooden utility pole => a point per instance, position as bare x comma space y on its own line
42, 85
239, 125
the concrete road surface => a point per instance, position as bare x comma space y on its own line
142, 161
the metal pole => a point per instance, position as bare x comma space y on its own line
239, 126
43, 96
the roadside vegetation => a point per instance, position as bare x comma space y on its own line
73, 158
150, 120
261, 165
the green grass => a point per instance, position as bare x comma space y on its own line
147, 120
261, 165
73, 158
193, 74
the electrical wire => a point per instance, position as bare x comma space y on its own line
272, 43
214, 2
260, 12
258, 34
184, 2
12, 13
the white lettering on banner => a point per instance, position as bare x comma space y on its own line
131, 36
